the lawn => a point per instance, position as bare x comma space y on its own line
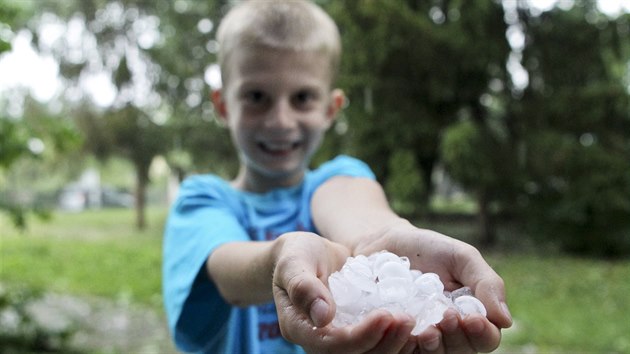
89, 253
565, 304
559, 303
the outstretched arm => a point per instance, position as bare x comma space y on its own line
242, 271
355, 213
299, 264
305, 307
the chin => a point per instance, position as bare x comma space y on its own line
284, 174
278, 168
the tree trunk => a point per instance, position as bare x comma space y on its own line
427, 165
142, 181
487, 233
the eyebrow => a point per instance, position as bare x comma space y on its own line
264, 84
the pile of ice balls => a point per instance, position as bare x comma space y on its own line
384, 280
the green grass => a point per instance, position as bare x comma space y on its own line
459, 204
567, 304
90, 253
559, 303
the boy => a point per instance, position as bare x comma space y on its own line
246, 262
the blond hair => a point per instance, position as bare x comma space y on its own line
296, 25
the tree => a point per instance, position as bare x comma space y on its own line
574, 120
34, 134
414, 68
129, 133
13, 138
185, 54
155, 55
483, 162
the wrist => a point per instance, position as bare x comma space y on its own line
385, 238
277, 246
310, 248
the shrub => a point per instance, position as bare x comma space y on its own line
19, 330
579, 197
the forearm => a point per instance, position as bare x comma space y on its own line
352, 211
355, 212
243, 271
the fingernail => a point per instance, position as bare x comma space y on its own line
506, 311
449, 323
432, 345
409, 347
474, 326
406, 319
319, 311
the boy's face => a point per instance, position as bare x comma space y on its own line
278, 105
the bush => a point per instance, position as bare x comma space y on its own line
580, 198
404, 185
21, 333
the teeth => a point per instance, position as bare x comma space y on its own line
280, 146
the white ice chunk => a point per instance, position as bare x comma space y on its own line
393, 270
393, 289
429, 283
461, 292
380, 258
415, 274
467, 305
362, 259
384, 280
360, 275
343, 292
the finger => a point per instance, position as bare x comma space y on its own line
491, 292
396, 336
410, 347
453, 335
482, 335
368, 333
305, 291
359, 338
473, 271
430, 341
294, 324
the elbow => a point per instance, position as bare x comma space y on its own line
227, 291
230, 288
233, 298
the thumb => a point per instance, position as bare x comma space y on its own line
320, 312
492, 295
312, 298
297, 289
302, 306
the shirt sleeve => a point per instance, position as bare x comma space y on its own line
342, 165
200, 220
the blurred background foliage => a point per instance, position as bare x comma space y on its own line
524, 112
492, 113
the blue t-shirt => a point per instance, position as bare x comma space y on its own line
210, 212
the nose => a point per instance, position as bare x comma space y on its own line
281, 115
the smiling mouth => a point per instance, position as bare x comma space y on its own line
279, 149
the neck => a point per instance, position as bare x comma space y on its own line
250, 181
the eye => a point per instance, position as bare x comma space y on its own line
254, 97
304, 98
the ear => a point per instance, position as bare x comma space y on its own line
219, 105
337, 100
